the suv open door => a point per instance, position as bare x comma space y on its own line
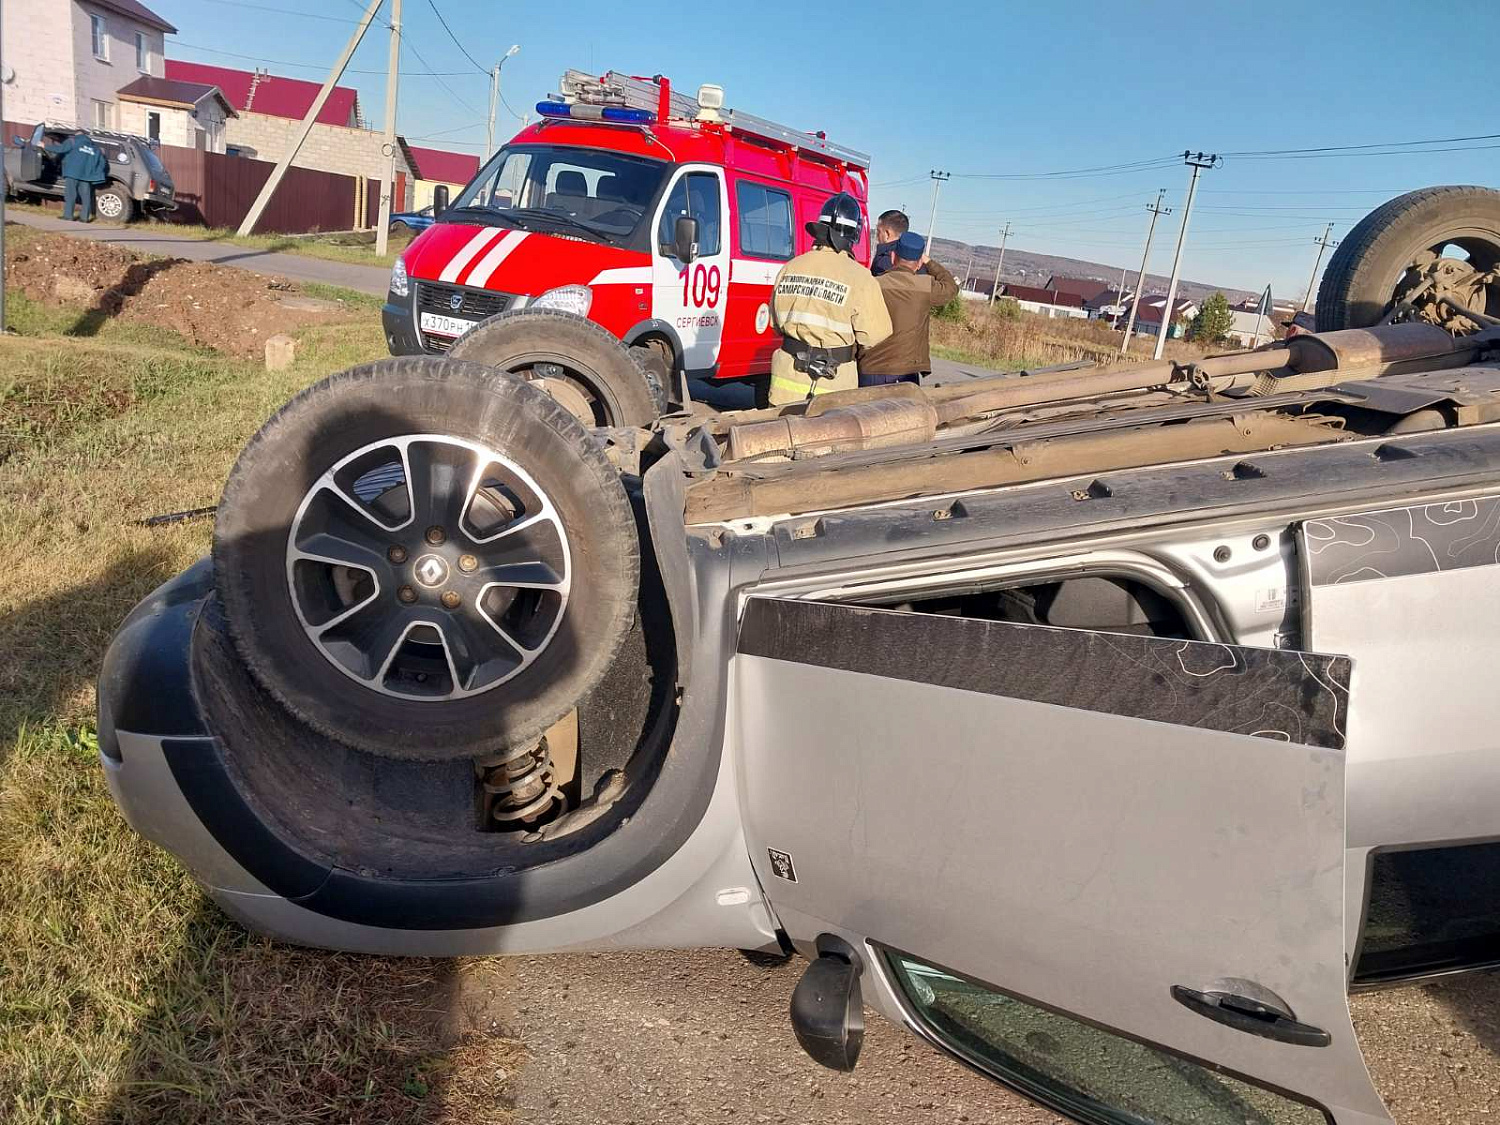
1106, 869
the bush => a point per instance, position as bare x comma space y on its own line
953, 310
1007, 308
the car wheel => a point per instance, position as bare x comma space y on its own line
398, 228
424, 560
114, 205
1410, 257
586, 368
653, 361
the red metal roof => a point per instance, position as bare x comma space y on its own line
250, 92
1086, 288
447, 167
1041, 296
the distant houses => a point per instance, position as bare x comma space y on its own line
1046, 302
1148, 316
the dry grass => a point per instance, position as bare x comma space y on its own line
1025, 340
125, 995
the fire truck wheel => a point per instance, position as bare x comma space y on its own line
424, 560
580, 364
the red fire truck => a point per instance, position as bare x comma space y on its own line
660, 219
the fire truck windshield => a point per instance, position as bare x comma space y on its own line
584, 191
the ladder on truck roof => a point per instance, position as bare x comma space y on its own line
614, 88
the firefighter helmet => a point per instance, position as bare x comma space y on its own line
839, 222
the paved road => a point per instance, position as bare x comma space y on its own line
147, 239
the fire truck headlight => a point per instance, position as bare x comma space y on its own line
400, 282
575, 299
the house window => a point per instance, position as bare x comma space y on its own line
100, 33
765, 221
103, 115
142, 53
153, 127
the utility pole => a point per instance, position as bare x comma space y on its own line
1323, 244
253, 215
1004, 235
5, 77
388, 148
1197, 162
1157, 210
489, 137
937, 182
968, 267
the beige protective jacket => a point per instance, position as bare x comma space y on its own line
825, 299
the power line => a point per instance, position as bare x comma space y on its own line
1071, 173
1358, 148
322, 68
286, 11
453, 37
406, 41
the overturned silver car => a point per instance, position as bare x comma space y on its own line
1102, 727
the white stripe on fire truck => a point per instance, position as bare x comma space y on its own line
471, 250
752, 272
480, 275
623, 275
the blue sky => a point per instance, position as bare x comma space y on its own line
978, 89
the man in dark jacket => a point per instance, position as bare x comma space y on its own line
83, 166
888, 228
911, 293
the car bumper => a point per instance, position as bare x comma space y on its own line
400, 333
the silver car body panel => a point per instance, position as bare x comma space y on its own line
1011, 801
705, 894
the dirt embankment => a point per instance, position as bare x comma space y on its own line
212, 306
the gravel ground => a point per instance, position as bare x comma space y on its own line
703, 1037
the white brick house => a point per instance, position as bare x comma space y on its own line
71, 57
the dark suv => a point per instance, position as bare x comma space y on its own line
138, 181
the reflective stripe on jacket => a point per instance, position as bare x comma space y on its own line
824, 299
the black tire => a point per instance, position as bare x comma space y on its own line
1363, 273
466, 402
620, 390
654, 362
398, 226
114, 204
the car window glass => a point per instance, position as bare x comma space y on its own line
696, 194
602, 191
1091, 1074
765, 221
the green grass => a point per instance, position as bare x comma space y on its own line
125, 995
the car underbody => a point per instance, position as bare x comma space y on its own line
1153, 695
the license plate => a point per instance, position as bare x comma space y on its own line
439, 325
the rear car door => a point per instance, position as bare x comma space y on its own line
1106, 869
764, 242
690, 296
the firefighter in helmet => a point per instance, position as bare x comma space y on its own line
827, 308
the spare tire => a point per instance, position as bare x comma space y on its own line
583, 366
1372, 261
426, 560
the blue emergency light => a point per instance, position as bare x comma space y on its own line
581, 111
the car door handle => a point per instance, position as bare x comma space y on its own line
1247, 1014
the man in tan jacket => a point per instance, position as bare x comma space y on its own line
911, 293
827, 307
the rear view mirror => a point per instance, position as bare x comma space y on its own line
439, 200
685, 238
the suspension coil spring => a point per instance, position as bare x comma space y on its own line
520, 785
